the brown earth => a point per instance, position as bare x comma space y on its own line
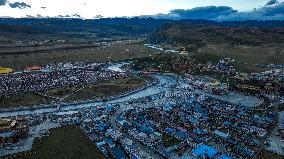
113, 51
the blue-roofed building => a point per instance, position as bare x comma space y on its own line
242, 113
118, 153
124, 124
181, 135
110, 142
227, 123
167, 107
245, 151
255, 142
141, 118
109, 107
170, 130
221, 134
193, 120
145, 129
119, 118
191, 99
172, 148
224, 156
134, 157
204, 151
103, 126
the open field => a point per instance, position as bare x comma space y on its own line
113, 51
26, 99
62, 143
75, 93
253, 54
249, 68
247, 54
104, 89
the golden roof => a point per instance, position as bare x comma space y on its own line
5, 70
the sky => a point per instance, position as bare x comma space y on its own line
117, 8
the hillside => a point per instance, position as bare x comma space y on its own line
58, 28
246, 44
98, 28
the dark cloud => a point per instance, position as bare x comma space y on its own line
20, 5
3, 2
209, 12
36, 16
271, 2
64, 16
98, 16
70, 16
270, 12
76, 16
274, 10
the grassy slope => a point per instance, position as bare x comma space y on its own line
22, 100
101, 89
108, 88
207, 42
63, 143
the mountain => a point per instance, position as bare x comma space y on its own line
105, 27
98, 28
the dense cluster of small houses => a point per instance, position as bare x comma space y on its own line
170, 124
55, 76
199, 123
183, 125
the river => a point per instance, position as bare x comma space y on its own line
166, 81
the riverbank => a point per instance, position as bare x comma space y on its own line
79, 104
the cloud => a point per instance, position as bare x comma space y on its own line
268, 12
272, 2
20, 5
3, 2
77, 16
209, 12
36, 16
98, 16
273, 10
